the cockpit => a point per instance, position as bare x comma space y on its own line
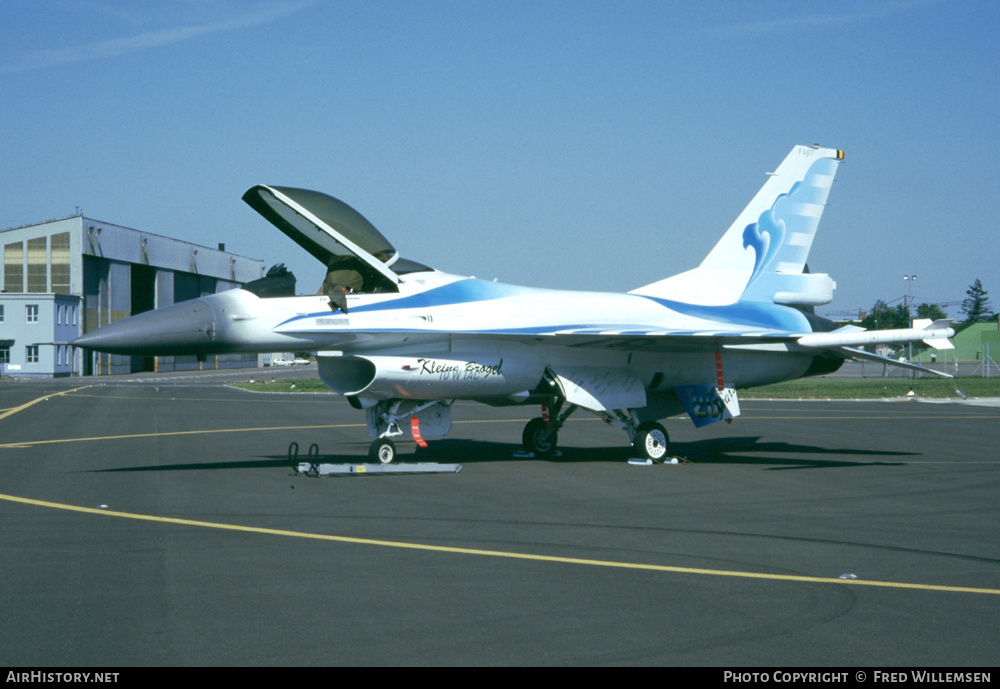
356, 255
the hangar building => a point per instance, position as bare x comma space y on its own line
979, 340
62, 278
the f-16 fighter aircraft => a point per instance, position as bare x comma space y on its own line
402, 341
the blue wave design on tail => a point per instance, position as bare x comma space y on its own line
783, 234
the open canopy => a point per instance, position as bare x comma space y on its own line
326, 227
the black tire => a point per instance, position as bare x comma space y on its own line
382, 451
652, 442
539, 438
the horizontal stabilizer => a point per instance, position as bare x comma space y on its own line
861, 354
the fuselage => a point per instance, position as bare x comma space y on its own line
444, 335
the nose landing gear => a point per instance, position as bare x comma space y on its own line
382, 450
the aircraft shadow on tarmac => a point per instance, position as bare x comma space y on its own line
779, 455
201, 466
726, 451
769, 455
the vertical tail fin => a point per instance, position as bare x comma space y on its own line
763, 254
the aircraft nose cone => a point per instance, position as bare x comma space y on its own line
185, 328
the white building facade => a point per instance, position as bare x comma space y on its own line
62, 278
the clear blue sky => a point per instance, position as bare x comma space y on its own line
586, 145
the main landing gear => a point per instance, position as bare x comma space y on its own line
540, 438
649, 439
541, 435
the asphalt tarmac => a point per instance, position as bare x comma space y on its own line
159, 522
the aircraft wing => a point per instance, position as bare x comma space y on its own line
662, 341
627, 340
652, 340
633, 338
843, 340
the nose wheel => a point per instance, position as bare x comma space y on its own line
382, 451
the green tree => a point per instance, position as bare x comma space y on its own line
932, 311
976, 307
885, 317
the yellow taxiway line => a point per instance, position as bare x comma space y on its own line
497, 553
13, 410
33, 443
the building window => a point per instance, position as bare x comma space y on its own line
31, 354
31, 313
60, 262
1, 313
13, 268
4, 355
37, 265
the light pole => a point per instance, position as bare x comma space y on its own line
906, 304
909, 279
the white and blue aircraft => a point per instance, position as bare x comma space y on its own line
404, 341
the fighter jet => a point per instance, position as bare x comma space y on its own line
402, 341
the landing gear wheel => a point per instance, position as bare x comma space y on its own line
651, 441
539, 438
382, 450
